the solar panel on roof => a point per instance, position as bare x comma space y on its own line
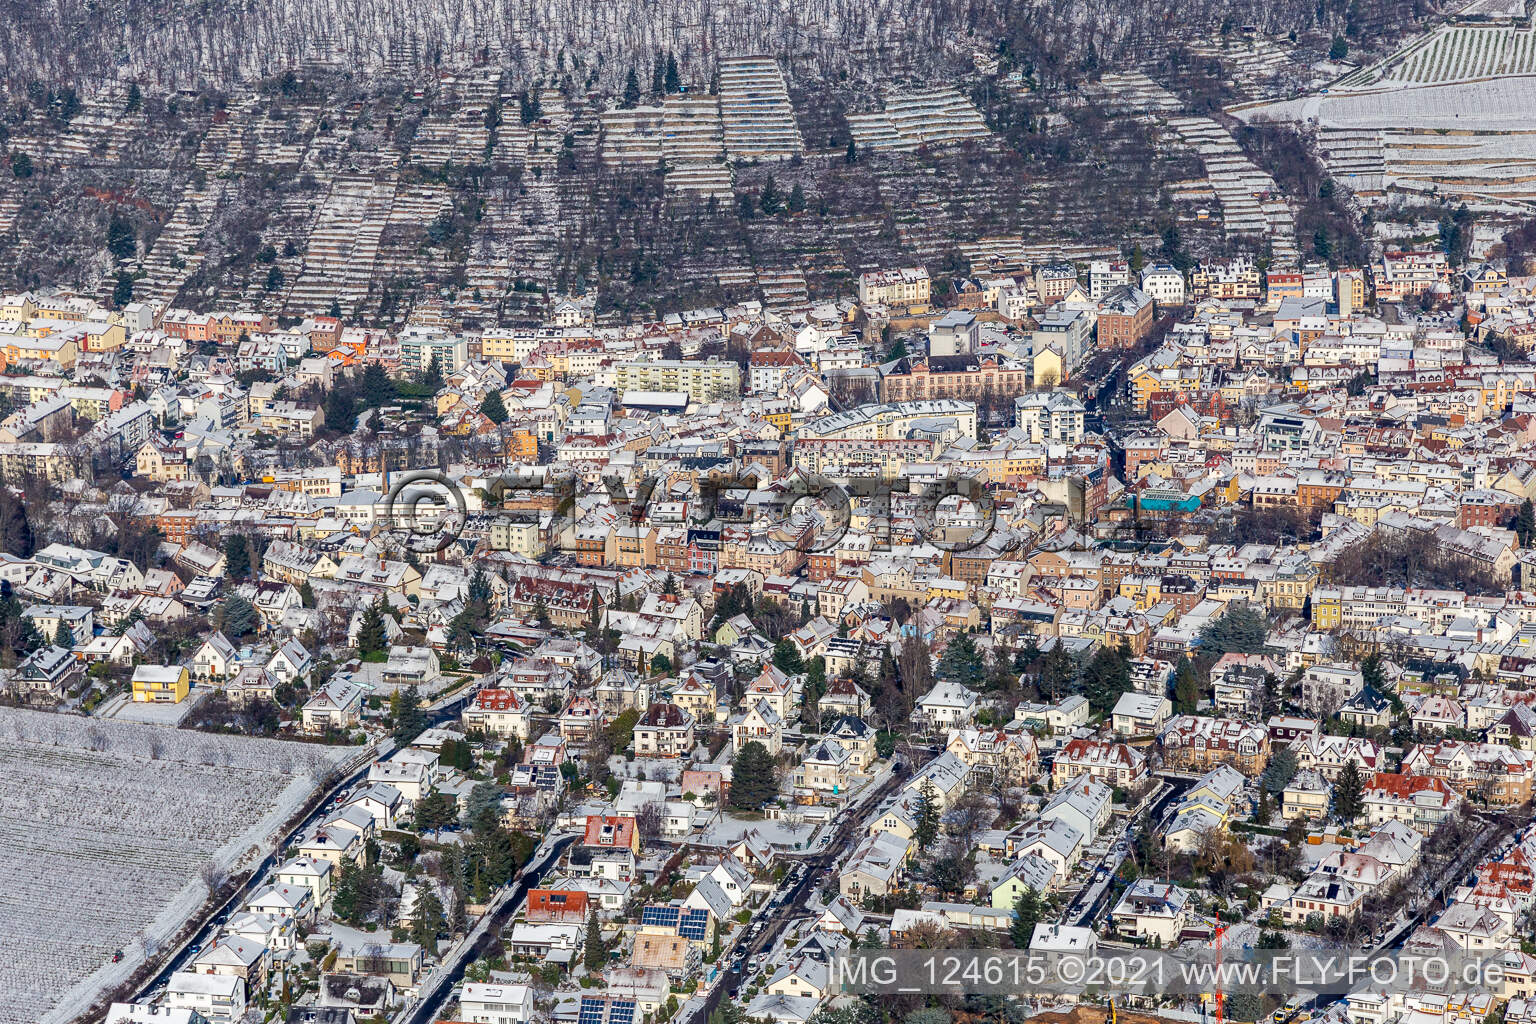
694, 924
660, 916
621, 1011
592, 1008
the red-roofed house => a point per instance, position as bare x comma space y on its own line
1114, 764
766, 370
564, 906
612, 832
499, 713
1421, 802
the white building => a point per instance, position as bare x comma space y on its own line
1164, 283
489, 1003
219, 997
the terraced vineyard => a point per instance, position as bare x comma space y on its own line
1425, 140
1455, 53
931, 117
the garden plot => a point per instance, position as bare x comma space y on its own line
1254, 63
1005, 255
155, 712
632, 138
109, 830
782, 288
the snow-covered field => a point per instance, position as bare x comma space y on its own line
1501, 104
1469, 139
108, 831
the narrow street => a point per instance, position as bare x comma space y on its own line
1099, 888
437, 714
439, 985
1423, 904
259, 876
766, 929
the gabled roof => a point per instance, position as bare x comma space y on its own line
708, 895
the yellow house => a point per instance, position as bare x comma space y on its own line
1144, 382
1047, 367
1147, 380
946, 587
161, 684
100, 336
58, 350
21, 306
779, 414
447, 400
1327, 608
1142, 589
160, 465
1290, 586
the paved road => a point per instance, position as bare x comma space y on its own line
766, 929
1423, 904
258, 878
1099, 889
437, 714
439, 986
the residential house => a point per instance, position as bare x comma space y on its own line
665, 730
1117, 765
161, 684
1152, 911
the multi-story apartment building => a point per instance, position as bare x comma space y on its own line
1493, 772
1200, 743
1055, 281
420, 345
1164, 283
1237, 278
1422, 802
1404, 276
969, 378
1125, 316
1114, 764
1104, 276
704, 380
908, 286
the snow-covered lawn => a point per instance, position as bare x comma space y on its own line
108, 830
159, 714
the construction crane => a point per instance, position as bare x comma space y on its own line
1221, 1000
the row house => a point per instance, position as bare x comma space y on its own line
968, 378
